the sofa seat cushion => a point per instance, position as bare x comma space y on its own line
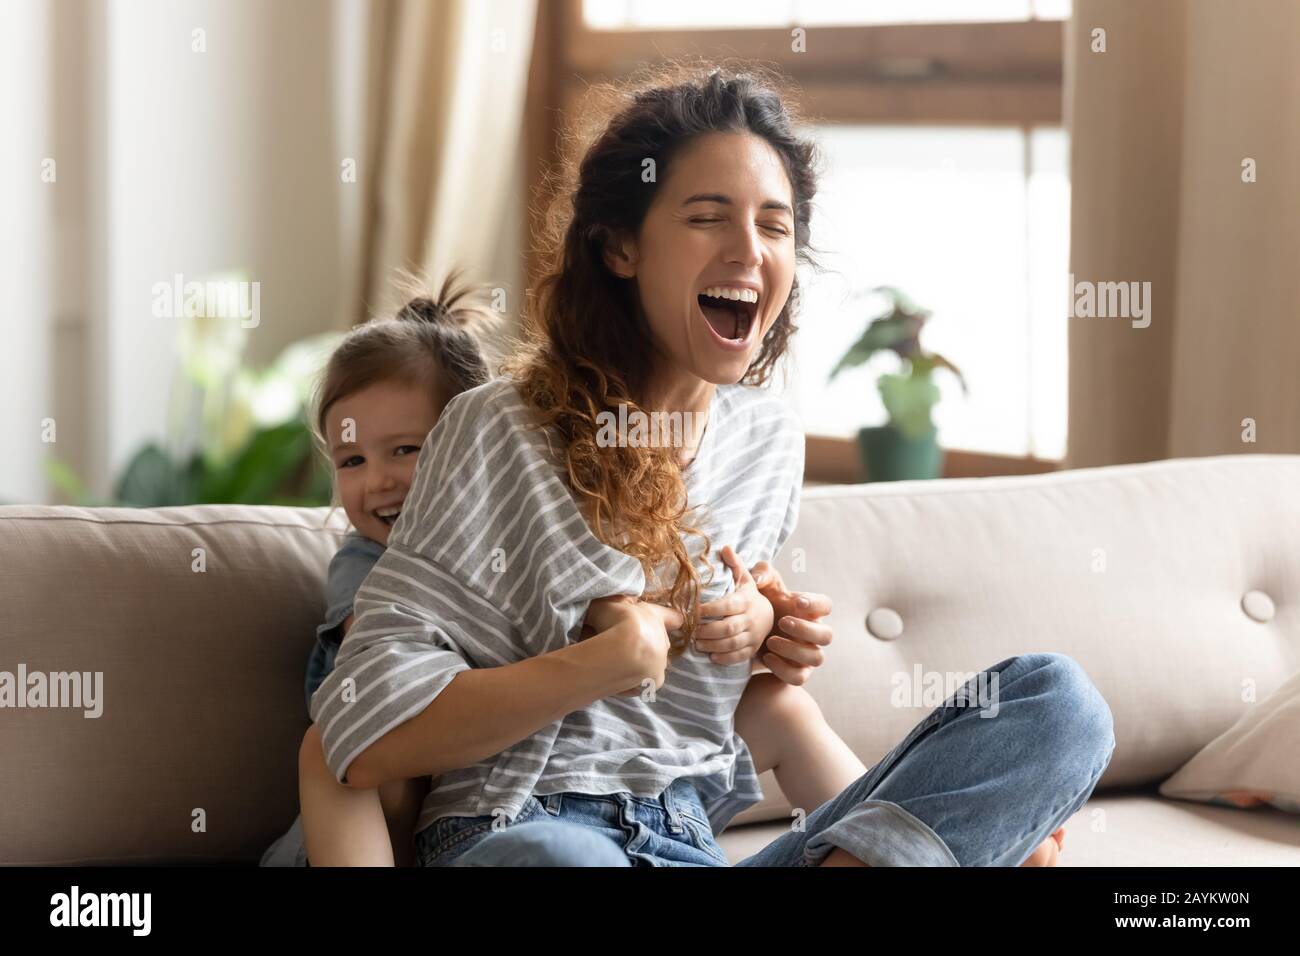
1134, 828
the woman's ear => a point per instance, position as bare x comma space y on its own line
620, 255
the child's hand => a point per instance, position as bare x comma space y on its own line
746, 618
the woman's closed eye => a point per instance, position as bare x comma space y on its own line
772, 226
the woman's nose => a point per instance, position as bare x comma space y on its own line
746, 247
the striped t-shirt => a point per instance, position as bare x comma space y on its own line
492, 562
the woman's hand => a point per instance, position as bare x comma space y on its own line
604, 612
793, 658
746, 618
636, 633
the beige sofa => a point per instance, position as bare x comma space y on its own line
200, 619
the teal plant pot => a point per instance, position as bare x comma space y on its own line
889, 455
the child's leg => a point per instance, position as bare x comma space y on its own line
785, 732
341, 826
401, 801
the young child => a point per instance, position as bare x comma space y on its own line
380, 394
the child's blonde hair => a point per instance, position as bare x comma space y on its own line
432, 342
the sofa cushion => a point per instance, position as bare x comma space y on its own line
202, 678
1255, 761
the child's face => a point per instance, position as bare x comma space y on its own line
374, 438
723, 218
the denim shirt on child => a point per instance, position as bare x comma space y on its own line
348, 568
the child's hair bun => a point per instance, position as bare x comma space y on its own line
424, 309
457, 305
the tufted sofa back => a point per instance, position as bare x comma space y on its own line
1175, 584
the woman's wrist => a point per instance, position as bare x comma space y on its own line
605, 667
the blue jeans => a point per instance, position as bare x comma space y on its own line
961, 789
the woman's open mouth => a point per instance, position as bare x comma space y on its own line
731, 314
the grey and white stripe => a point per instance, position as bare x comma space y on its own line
492, 562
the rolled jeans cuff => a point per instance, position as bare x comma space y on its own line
881, 833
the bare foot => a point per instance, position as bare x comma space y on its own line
1047, 852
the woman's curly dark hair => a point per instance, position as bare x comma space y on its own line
586, 337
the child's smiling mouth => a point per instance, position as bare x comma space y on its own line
388, 515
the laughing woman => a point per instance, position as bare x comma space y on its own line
533, 636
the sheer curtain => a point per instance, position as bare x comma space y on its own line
446, 88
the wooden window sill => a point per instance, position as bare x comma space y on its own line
829, 460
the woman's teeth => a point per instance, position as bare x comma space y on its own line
739, 295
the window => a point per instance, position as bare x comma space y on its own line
972, 223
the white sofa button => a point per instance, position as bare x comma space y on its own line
885, 623
1258, 605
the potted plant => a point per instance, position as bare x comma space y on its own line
908, 445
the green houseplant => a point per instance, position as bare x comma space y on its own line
235, 434
908, 445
